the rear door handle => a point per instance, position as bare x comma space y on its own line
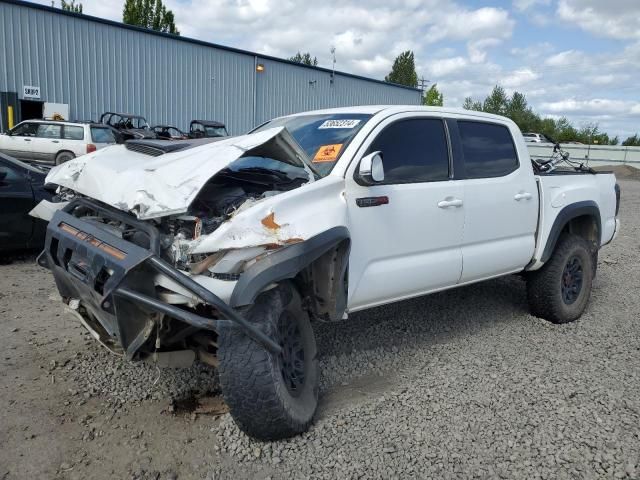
27, 139
55, 141
454, 202
522, 196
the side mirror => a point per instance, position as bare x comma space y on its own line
370, 170
3, 175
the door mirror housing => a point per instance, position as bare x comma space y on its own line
371, 170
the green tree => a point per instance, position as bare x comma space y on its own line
151, 14
69, 6
518, 110
433, 96
403, 71
632, 141
304, 58
561, 130
497, 102
471, 104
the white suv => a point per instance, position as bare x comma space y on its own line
54, 142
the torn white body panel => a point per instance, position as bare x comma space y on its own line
280, 220
46, 209
165, 185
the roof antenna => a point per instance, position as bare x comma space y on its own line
333, 68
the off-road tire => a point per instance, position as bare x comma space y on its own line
253, 383
64, 157
545, 287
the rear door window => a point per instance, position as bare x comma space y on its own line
73, 132
102, 135
413, 150
49, 130
488, 149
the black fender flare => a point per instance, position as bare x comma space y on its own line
568, 213
284, 264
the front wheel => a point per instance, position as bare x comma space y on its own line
560, 290
271, 396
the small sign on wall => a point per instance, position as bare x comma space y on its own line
31, 92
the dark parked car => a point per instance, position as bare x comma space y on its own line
207, 129
129, 126
22, 187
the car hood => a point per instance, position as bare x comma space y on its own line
156, 186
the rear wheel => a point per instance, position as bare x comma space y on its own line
560, 290
271, 396
64, 157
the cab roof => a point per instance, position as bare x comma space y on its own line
392, 109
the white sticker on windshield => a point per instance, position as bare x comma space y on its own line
346, 123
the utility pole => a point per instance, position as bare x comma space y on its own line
423, 83
333, 65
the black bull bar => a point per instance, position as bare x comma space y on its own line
113, 279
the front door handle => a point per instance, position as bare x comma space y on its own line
55, 141
522, 196
450, 202
27, 139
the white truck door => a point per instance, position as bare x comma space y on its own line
405, 231
501, 201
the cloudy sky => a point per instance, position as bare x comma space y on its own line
578, 58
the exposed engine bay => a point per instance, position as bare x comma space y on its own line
235, 188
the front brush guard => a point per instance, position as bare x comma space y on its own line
113, 278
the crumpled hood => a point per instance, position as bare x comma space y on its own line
166, 185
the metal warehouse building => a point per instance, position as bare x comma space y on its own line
88, 65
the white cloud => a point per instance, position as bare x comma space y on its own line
478, 49
599, 106
568, 57
523, 5
484, 22
447, 66
612, 18
519, 78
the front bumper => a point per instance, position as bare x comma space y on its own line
113, 280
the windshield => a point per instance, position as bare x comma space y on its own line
322, 137
216, 131
123, 122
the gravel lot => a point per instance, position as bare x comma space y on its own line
458, 384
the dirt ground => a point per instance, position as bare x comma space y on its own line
52, 426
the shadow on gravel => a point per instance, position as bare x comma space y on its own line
428, 319
24, 256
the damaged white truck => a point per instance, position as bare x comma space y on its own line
229, 251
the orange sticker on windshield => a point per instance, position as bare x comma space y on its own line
328, 153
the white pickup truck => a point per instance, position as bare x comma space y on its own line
228, 251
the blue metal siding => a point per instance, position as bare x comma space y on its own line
96, 67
